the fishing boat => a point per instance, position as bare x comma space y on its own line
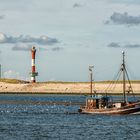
99, 104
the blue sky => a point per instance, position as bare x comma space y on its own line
69, 36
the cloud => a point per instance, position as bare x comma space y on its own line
57, 49
22, 47
75, 5
114, 45
27, 47
2, 16
119, 18
125, 1
132, 46
117, 45
42, 40
11, 74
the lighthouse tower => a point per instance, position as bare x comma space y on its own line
33, 73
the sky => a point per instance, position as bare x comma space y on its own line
69, 35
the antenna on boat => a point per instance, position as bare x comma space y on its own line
91, 75
124, 71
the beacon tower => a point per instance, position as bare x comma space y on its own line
33, 73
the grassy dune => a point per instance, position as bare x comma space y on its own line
12, 81
16, 81
20, 86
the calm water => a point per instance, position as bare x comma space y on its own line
35, 122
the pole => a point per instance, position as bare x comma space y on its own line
123, 69
91, 83
91, 75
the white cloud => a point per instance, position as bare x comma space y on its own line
22, 47
11, 74
42, 40
2, 38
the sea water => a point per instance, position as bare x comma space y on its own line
59, 122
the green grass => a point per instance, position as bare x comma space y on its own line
12, 81
16, 81
118, 82
96, 82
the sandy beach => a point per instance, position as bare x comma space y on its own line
68, 88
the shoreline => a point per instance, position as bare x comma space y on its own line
65, 88
69, 94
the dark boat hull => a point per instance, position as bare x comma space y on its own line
131, 109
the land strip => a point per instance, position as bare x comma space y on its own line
21, 87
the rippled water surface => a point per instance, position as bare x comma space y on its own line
60, 122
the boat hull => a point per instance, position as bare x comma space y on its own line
134, 109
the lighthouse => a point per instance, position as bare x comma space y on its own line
33, 73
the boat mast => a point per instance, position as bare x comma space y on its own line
91, 75
123, 69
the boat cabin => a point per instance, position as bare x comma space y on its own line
97, 102
102, 102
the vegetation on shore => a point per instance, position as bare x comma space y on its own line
96, 82
16, 81
12, 81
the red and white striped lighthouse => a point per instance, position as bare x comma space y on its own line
33, 73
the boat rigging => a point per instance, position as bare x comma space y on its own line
98, 104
